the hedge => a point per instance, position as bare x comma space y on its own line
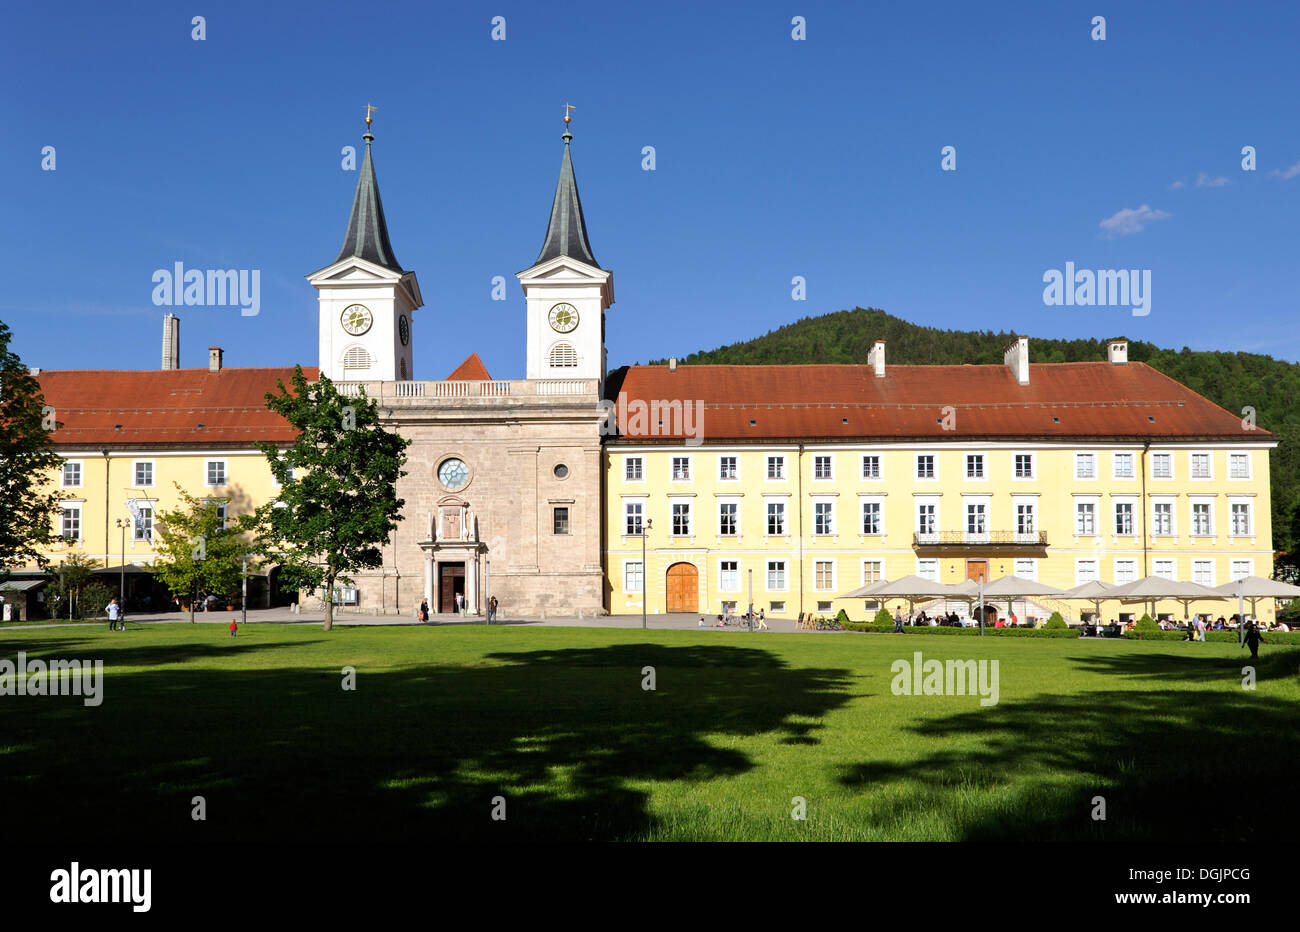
874, 628
1229, 637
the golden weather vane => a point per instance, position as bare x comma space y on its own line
567, 108
369, 110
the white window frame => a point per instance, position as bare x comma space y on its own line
1130, 562
1024, 501
728, 456
1159, 563
722, 576
863, 502
1033, 467
672, 467
1079, 563
880, 467
640, 502
1250, 518
1095, 502
983, 464
934, 467
70, 506
1091, 457
1134, 514
1192, 504
140, 532
673, 504
135, 474
640, 468
81, 474
785, 517
928, 565
976, 501
735, 503
1172, 504
207, 473
1021, 563
1203, 563
1191, 465
1123, 456
926, 501
1250, 460
880, 570
817, 502
1240, 567
627, 566
777, 459
1164, 457
832, 586
784, 578
830, 462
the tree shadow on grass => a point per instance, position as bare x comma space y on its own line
1171, 765
412, 754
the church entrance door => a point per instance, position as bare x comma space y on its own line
451, 581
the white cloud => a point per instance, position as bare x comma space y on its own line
1205, 181
1177, 184
1286, 173
1129, 221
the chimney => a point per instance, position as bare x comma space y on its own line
876, 358
1118, 352
672, 363
1017, 359
214, 359
171, 348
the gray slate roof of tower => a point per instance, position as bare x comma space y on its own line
367, 236
566, 235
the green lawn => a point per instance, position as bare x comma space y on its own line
555, 720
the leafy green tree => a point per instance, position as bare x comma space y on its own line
198, 552
64, 594
338, 503
28, 500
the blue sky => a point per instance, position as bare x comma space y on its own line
775, 158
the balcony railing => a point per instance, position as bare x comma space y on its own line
979, 539
469, 388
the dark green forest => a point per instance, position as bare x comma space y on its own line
1232, 380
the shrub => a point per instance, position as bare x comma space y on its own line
1055, 623
1147, 629
842, 617
883, 621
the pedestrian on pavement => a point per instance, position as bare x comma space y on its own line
424, 610
762, 620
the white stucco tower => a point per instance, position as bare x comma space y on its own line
367, 300
566, 292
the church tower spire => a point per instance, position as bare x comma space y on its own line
566, 290
367, 300
566, 233
367, 236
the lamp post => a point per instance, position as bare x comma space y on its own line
243, 611
122, 589
645, 575
487, 590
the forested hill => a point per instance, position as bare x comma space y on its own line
1232, 380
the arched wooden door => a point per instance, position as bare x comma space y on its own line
683, 586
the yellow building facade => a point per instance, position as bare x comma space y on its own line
800, 522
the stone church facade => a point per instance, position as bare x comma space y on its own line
502, 492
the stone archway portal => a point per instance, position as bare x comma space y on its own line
683, 587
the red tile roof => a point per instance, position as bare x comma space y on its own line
1095, 400
166, 406
471, 368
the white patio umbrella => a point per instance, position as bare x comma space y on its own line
1154, 588
1255, 588
863, 592
913, 589
1095, 592
1009, 588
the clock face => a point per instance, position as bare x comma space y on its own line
564, 317
404, 329
453, 473
356, 319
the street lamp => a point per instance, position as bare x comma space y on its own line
122, 589
644, 573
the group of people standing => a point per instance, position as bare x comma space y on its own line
422, 613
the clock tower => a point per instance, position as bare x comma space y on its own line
566, 291
366, 299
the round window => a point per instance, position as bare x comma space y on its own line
453, 473
561, 471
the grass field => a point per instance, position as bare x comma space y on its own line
556, 721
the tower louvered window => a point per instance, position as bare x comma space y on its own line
356, 358
563, 355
